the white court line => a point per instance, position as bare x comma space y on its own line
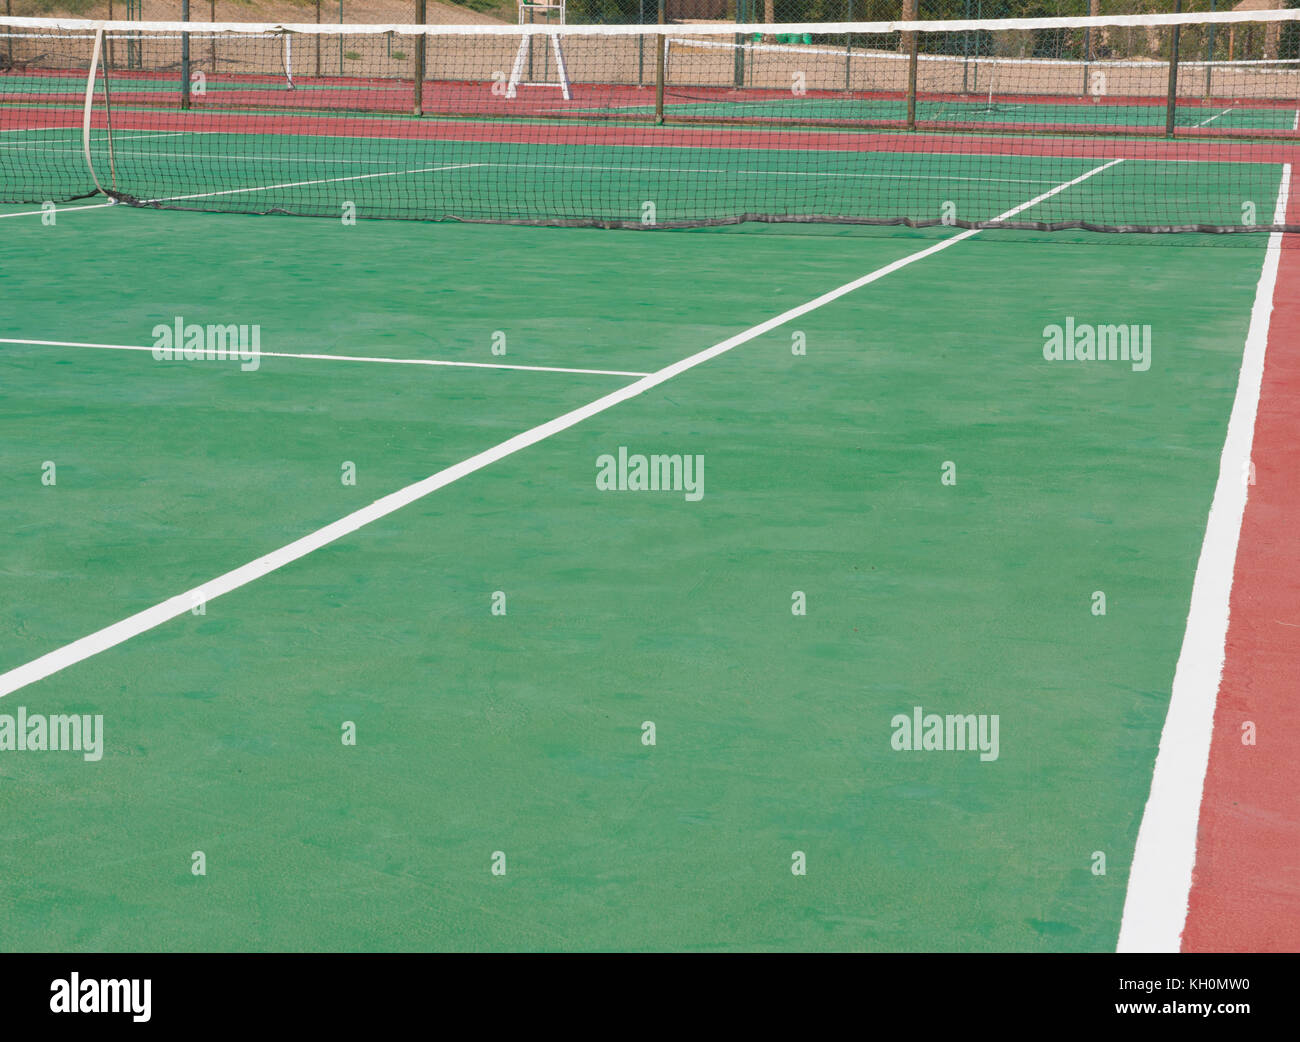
149, 618
60, 209
1160, 881
1215, 116
345, 358
775, 173
572, 166
100, 142
663, 146
300, 184
140, 137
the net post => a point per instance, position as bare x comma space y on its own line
185, 57
912, 60
1087, 59
659, 70
848, 49
1172, 101
738, 63
417, 108
316, 40
908, 44
9, 43
1209, 55
965, 56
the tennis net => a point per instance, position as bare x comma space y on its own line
1123, 123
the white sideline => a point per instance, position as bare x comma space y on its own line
111, 636
344, 358
1160, 880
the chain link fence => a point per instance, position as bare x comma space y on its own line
1251, 42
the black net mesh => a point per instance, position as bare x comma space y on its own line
1150, 126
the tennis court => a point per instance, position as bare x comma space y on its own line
373, 629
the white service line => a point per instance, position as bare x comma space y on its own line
60, 209
776, 173
1160, 880
322, 181
618, 167
1215, 116
100, 142
662, 146
149, 618
344, 358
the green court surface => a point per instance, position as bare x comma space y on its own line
522, 733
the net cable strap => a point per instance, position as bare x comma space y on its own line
89, 109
